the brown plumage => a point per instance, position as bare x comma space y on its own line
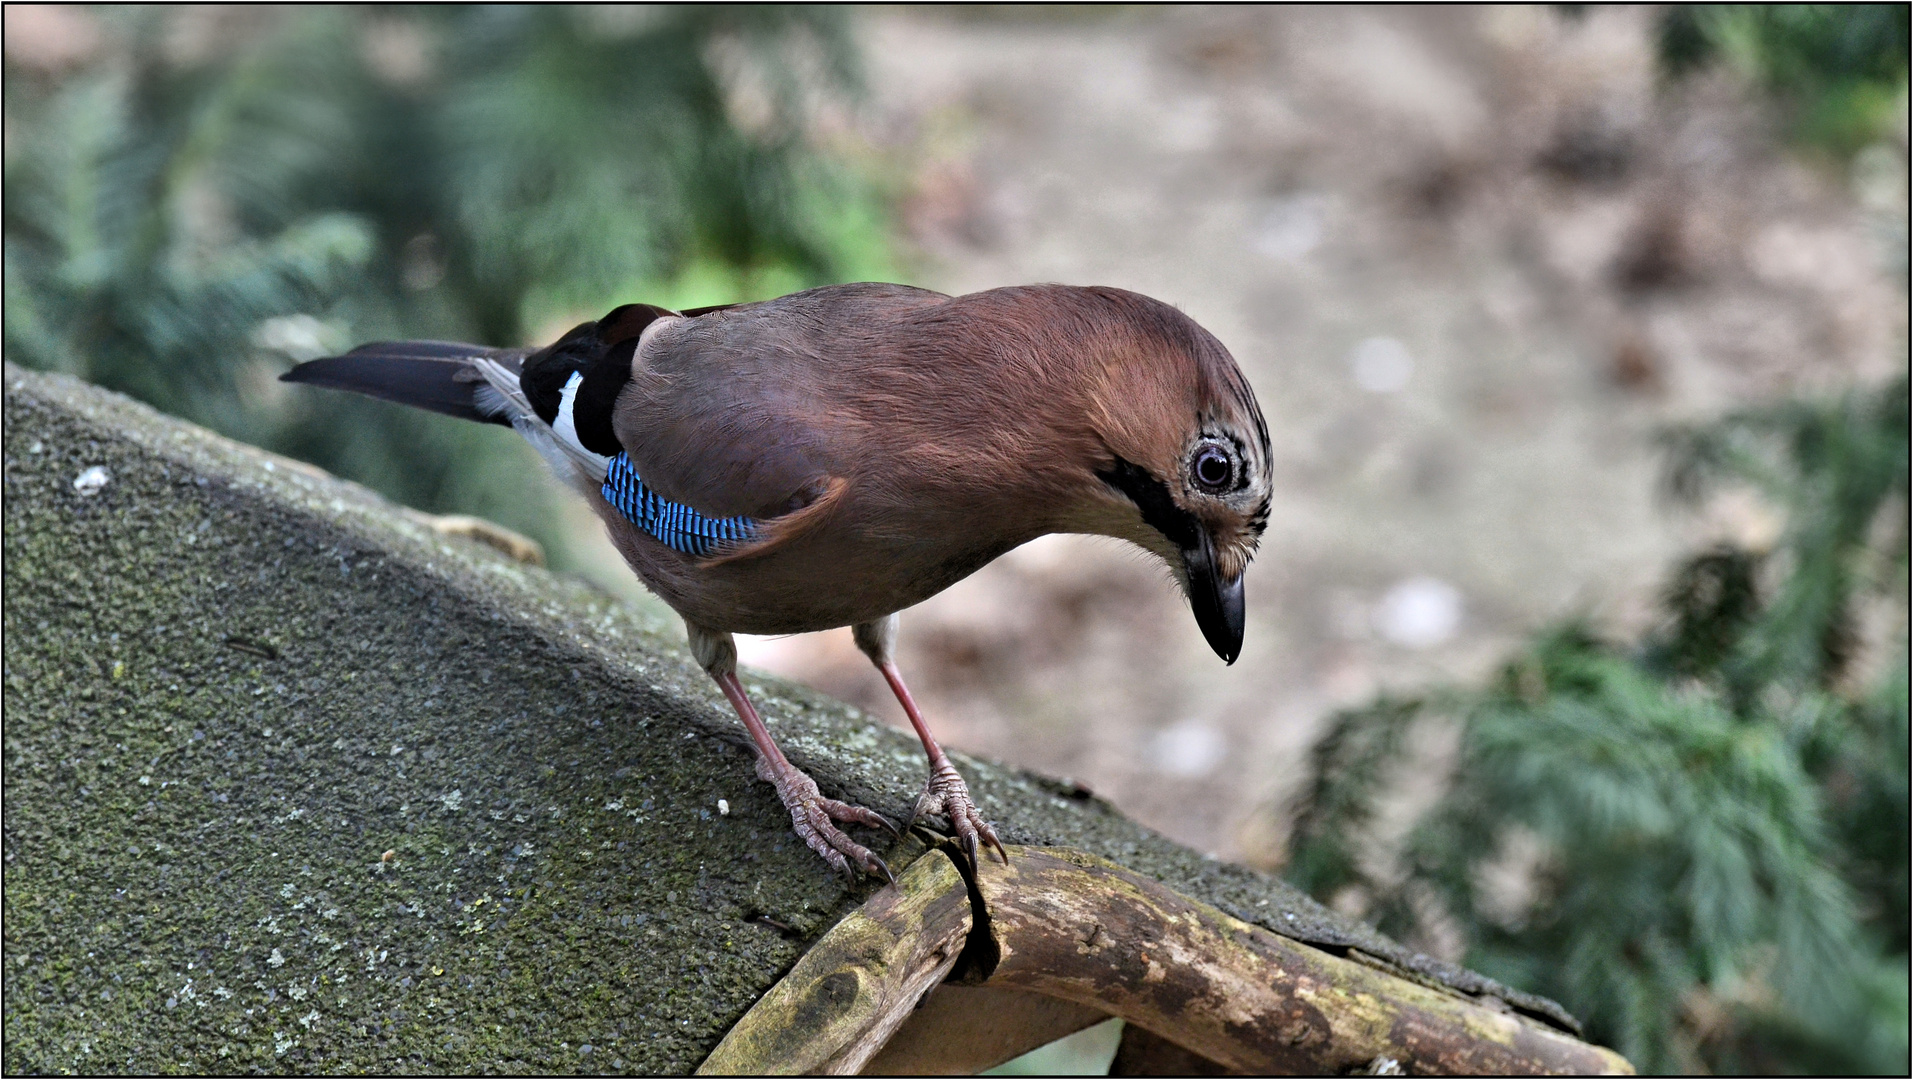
884, 442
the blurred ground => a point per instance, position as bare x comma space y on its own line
1471, 260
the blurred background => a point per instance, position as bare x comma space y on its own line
1577, 646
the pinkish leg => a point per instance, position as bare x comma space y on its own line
945, 793
813, 817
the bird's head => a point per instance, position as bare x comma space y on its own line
1183, 465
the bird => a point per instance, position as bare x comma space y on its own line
832, 457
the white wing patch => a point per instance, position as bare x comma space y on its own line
566, 428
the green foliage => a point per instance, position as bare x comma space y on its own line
1698, 844
1840, 69
1831, 466
205, 197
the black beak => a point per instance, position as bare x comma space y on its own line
1217, 603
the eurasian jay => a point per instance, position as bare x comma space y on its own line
834, 456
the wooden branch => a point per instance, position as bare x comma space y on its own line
846, 996
1081, 930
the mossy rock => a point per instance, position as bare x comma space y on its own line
233, 685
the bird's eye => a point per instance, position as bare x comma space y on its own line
1212, 469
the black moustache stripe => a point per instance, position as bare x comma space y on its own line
1151, 496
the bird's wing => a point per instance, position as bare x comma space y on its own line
733, 412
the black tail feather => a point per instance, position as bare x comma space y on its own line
430, 375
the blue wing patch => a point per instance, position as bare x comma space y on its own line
678, 526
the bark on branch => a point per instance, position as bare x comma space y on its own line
1076, 928
841, 1002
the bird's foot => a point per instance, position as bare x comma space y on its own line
814, 819
947, 794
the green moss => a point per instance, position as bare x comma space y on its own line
230, 687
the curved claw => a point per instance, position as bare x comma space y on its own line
814, 817
842, 811
948, 795
989, 842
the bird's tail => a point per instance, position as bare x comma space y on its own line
467, 381
560, 398
440, 376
